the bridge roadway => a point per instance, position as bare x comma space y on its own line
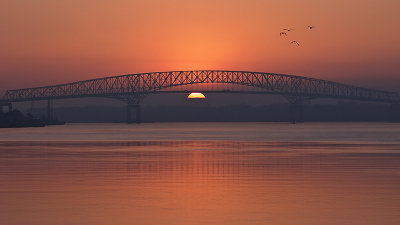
132, 88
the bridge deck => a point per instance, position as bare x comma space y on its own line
125, 86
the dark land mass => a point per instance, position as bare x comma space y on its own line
16, 119
55, 122
339, 112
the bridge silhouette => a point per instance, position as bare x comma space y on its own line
133, 88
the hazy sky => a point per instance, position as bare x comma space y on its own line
45, 42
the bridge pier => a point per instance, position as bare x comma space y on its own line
296, 113
49, 110
295, 108
129, 113
133, 102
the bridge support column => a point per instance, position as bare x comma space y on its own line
296, 108
133, 101
129, 113
296, 113
49, 110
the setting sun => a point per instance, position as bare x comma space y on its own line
196, 95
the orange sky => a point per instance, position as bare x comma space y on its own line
45, 42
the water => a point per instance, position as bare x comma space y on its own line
201, 173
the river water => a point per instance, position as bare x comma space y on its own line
201, 173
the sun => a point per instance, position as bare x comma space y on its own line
196, 95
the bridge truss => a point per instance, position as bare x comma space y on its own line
133, 88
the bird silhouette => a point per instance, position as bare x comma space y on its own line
282, 33
311, 27
295, 42
288, 30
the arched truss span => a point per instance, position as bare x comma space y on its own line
126, 87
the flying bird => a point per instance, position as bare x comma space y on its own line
288, 30
295, 42
282, 33
311, 27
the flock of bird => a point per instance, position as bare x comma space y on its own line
286, 31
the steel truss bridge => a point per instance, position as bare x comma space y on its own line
132, 88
